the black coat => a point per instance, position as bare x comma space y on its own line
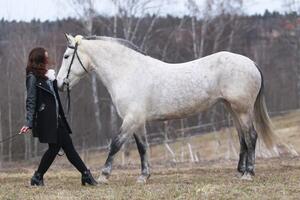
41, 113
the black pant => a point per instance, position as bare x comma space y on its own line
64, 142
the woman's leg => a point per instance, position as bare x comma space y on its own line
73, 156
48, 158
71, 153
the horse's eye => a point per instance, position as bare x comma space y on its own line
66, 56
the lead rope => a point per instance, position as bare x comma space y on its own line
9, 138
15, 135
60, 153
68, 100
68, 84
67, 78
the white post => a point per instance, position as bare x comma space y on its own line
191, 153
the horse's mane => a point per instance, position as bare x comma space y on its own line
121, 41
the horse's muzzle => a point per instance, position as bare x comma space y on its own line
65, 84
66, 81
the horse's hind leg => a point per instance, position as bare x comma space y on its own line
142, 145
250, 137
242, 164
247, 136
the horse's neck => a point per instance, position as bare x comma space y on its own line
113, 62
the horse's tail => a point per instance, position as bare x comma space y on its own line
263, 123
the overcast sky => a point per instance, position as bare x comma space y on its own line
27, 10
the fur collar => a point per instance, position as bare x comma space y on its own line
50, 74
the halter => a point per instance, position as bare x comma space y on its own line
66, 80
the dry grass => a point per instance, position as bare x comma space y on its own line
276, 179
212, 178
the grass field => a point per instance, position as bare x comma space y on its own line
213, 177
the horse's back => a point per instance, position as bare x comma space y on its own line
194, 86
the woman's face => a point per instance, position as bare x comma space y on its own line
46, 57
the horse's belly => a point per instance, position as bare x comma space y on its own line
180, 108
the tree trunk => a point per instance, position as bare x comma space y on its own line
1, 138
142, 46
115, 32
9, 116
195, 43
202, 40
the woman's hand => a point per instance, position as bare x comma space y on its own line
24, 129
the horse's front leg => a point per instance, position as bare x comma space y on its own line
142, 145
128, 127
115, 147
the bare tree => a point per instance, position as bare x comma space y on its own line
170, 38
294, 42
130, 13
1, 138
194, 9
1, 129
19, 50
291, 5
207, 12
8, 74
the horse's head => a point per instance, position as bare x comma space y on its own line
75, 64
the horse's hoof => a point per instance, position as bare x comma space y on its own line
238, 175
142, 179
102, 179
246, 176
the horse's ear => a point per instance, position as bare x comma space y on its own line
66, 35
69, 38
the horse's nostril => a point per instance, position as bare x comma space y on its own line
61, 86
66, 81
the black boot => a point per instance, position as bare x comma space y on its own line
37, 179
88, 178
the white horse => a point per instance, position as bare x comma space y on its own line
143, 89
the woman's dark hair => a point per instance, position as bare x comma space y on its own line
37, 62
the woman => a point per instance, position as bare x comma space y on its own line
46, 118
